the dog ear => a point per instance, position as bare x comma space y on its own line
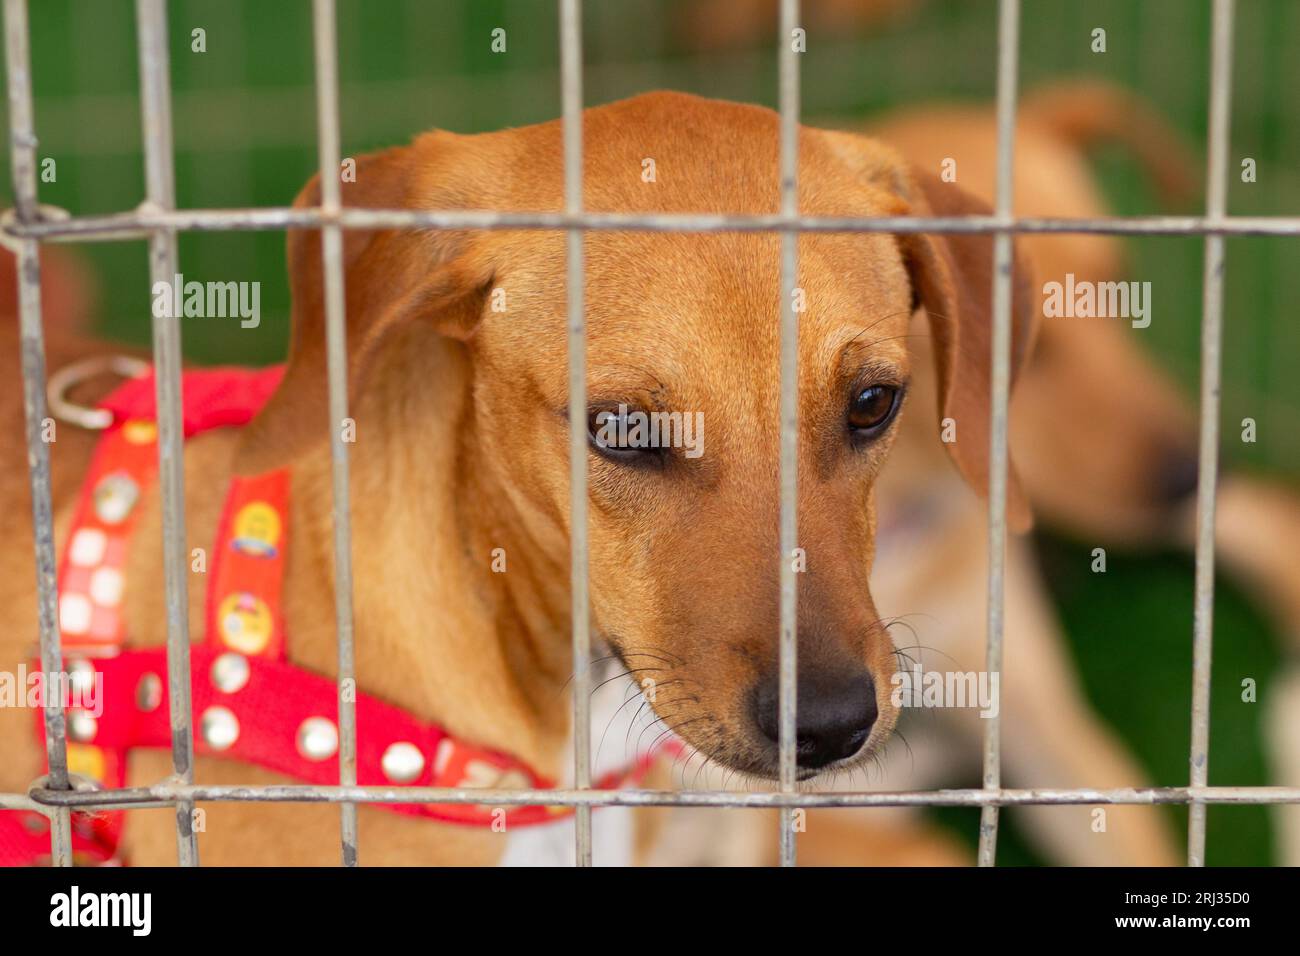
952, 275
391, 277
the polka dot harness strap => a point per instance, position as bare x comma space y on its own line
250, 703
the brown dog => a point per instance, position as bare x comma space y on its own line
461, 449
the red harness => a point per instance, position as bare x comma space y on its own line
251, 704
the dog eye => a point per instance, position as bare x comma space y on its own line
872, 409
622, 434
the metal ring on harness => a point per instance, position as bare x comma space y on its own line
65, 379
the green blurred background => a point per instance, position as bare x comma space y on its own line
245, 136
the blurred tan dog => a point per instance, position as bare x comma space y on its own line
462, 436
731, 24
1114, 466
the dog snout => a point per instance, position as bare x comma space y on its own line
834, 715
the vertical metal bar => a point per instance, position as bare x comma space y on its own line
1008, 68
571, 93
787, 728
327, 132
1216, 201
1283, 334
160, 191
22, 152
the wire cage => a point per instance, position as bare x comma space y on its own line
157, 218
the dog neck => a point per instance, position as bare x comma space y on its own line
483, 652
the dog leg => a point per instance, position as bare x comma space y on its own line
1060, 742
1257, 526
1282, 733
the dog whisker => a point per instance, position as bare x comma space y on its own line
627, 673
632, 686
674, 729
665, 719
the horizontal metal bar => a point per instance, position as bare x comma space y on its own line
20, 801
137, 224
169, 793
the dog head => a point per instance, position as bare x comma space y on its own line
683, 336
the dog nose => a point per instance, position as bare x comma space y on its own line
1176, 476
833, 717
